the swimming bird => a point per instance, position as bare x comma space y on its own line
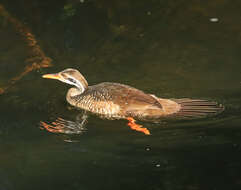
119, 101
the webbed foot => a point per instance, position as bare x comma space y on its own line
137, 127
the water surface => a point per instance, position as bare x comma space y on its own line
170, 49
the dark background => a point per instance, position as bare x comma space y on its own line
172, 49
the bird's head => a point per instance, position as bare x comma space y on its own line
70, 76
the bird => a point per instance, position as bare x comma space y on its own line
119, 101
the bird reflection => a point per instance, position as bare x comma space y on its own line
64, 126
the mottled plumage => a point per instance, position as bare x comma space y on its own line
114, 100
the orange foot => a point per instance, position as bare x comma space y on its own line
137, 127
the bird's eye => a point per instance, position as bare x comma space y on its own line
71, 80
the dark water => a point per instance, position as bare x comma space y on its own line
173, 49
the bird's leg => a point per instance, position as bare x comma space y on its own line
137, 127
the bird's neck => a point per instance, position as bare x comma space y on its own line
72, 95
74, 92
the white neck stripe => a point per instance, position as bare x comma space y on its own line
80, 86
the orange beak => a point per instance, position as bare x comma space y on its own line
52, 76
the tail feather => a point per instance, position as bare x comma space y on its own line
194, 108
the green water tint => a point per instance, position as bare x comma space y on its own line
170, 49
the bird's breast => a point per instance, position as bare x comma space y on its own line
95, 103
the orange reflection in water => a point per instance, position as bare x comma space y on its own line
64, 126
37, 58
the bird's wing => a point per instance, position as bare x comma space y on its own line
127, 97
